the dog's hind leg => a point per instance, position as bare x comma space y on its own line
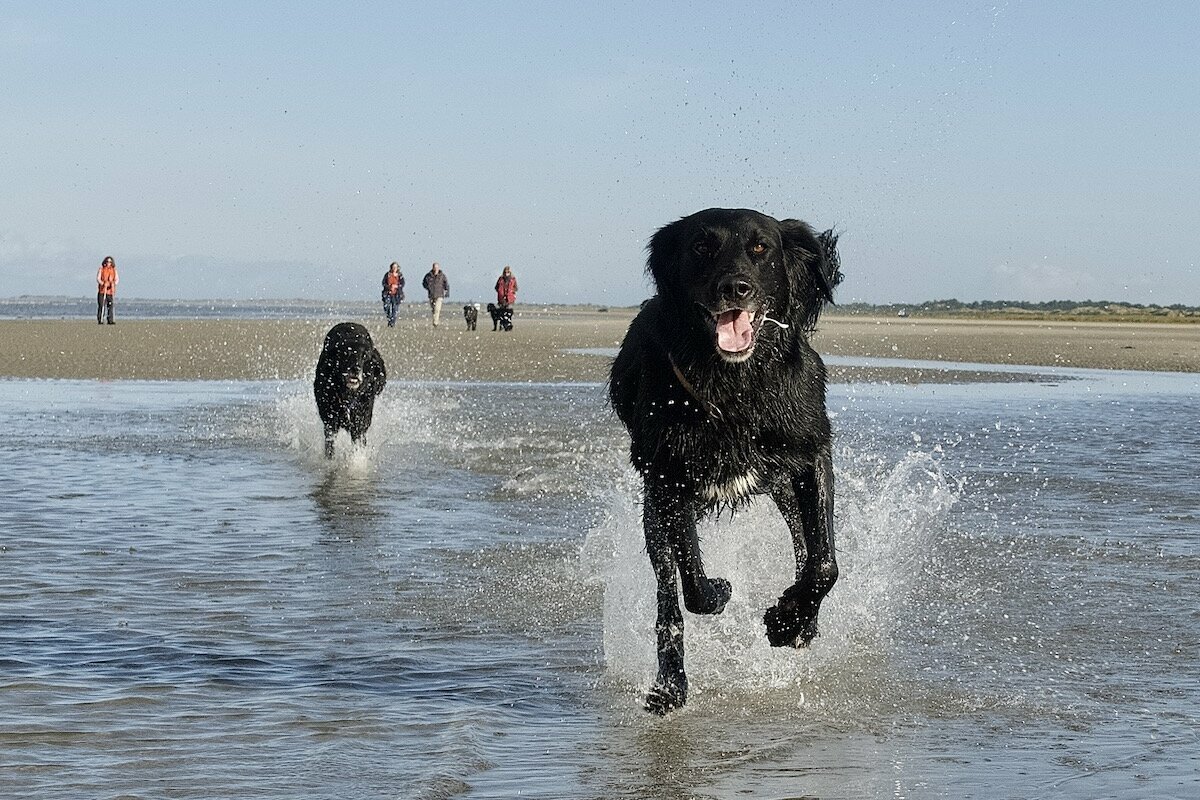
806, 502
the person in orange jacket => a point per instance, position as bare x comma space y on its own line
106, 287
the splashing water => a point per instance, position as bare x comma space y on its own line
405, 417
887, 515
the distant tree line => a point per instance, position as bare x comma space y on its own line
1021, 309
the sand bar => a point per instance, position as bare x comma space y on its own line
541, 346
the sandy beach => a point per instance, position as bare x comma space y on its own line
543, 347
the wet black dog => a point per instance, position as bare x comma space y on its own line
350, 374
724, 398
471, 315
501, 316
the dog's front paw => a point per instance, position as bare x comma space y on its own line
666, 696
709, 597
790, 624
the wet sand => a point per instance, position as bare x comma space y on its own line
541, 346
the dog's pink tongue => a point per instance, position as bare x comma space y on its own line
734, 331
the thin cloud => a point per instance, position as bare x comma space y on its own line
1041, 281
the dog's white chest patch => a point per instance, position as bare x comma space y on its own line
731, 490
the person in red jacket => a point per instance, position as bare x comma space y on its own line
506, 295
506, 288
393, 292
106, 287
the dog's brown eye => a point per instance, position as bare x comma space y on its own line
758, 249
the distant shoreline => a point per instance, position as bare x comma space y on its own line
548, 345
1165, 317
64, 307
1060, 310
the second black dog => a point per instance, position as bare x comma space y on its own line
724, 398
501, 316
471, 315
350, 374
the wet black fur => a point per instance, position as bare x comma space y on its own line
501, 316
697, 421
348, 350
471, 315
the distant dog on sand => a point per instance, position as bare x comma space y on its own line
724, 398
350, 374
471, 315
501, 316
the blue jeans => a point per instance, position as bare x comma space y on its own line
390, 306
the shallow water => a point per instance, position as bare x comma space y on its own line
196, 604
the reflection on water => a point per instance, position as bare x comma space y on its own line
196, 600
347, 503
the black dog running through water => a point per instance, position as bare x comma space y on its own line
350, 374
724, 398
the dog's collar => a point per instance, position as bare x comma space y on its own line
713, 411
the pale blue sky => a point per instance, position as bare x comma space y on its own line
1011, 150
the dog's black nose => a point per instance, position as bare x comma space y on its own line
735, 288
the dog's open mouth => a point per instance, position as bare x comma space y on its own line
353, 381
736, 331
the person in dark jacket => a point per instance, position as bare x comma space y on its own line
393, 293
438, 286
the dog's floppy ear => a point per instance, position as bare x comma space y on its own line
662, 259
813, 269
831, 268
376, 369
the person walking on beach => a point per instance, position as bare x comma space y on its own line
506, 288
393, 292
106, 287
506, 295
438, 286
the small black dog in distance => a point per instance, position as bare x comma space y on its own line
350, 374
724, 398
471, 315
501, 317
